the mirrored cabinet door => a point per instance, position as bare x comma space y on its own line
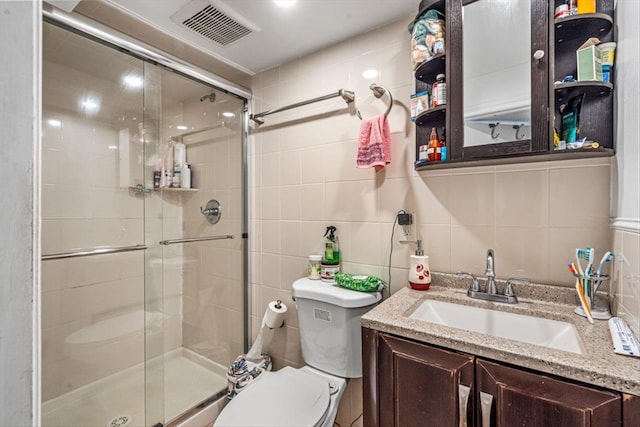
504, 55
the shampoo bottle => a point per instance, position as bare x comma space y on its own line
419, 273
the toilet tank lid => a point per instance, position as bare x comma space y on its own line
333, 294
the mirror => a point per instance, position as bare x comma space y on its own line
496, 46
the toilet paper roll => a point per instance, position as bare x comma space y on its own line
274, 316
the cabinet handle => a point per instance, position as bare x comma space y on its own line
486, 402
538, 55
463, 402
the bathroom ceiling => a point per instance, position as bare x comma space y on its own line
273, 34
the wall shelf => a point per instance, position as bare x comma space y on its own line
590, 88
185, 190
429, 69
431, 115
582, 27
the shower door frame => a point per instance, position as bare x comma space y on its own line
117, 40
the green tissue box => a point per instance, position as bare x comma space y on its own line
589, 59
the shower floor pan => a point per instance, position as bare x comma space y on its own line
189, 379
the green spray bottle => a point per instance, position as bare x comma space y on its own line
331, 247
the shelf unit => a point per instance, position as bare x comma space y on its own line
559, 42
425, 75
596, 113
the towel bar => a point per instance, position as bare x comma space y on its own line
347, 95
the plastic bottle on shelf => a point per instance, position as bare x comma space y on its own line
439, 89
185, 179
175, 181
573, 7
180, 155
433, 149
586, 6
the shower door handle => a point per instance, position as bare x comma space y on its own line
95, 251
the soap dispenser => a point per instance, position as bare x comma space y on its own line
419, 273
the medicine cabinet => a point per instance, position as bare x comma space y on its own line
508, 72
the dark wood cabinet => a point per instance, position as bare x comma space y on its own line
515, 397
557, 40
422, 385
408, 383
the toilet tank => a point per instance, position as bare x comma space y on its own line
329, 321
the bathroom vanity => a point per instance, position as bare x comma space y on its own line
423, 373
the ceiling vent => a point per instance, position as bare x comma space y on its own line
214, 20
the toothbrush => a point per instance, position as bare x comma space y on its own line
605, 258
583, 301
573, 269
590, 256
585, 254
579, 253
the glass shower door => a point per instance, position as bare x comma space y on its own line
143, 298
93, 241
203, 261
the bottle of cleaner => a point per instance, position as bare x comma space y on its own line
331, 256
419, 273
331, 247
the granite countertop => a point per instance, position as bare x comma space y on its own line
598, 365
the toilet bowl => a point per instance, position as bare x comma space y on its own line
329, 321
288, 397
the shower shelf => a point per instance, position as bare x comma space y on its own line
178, 189
144, 190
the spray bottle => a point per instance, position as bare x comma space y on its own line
331, 247
331, 256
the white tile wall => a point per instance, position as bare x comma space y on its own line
532, 215
626, 206
626, 277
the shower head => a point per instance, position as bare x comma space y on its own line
211, 97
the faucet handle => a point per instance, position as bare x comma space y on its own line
474, 284
508, 290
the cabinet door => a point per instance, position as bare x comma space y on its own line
630, 410
508, 397
420, 385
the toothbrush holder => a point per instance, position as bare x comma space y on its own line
591, 284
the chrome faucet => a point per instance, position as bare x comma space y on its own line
491, 288
491, 292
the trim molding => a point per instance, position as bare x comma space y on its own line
631, 225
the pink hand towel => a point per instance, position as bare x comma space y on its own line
374, 143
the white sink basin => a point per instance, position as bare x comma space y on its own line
533, 330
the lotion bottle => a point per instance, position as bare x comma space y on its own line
419, 272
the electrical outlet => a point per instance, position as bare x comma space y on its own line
408, 233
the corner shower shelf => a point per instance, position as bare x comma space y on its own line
144, 190
178, 189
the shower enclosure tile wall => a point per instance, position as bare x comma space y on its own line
143, 335
211, 271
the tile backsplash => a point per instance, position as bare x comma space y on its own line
626, 277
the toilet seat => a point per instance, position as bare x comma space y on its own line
288, 397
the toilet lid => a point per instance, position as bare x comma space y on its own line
288, 397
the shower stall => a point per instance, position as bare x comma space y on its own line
143, 284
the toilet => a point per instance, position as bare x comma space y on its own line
329, 322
